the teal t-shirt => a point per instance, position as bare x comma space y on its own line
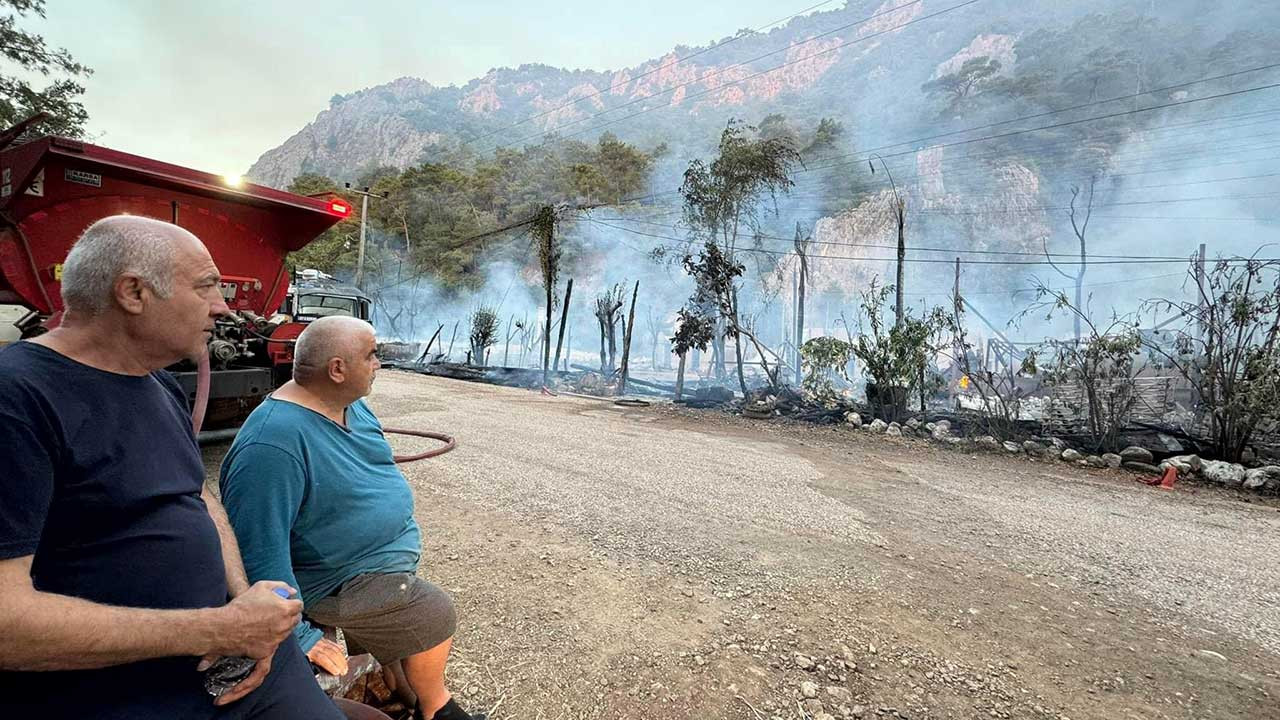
314, 503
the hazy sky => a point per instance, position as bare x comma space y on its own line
214, 84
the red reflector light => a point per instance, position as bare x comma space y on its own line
340, 208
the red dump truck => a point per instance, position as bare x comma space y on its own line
52, 188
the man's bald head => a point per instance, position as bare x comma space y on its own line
338, 337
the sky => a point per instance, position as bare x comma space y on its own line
214, 84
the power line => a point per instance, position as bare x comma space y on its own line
1127, 281
927, 249
545, 134
918, 260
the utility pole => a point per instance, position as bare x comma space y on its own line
795, 317
900, 212
1200, 291
802, 252
364, 213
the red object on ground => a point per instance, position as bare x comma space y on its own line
1170, 476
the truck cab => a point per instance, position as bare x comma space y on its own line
314, 295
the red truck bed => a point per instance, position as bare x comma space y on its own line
51, 189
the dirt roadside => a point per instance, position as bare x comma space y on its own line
654, 563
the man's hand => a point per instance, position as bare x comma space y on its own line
329, 656
247, 685
257, 621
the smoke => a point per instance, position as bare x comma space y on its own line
1163, 183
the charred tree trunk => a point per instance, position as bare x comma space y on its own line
680, 377
564, 322
604, 359
613, 345
737, 344
626, 339
453, 337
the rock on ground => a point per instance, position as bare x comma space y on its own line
1263, 478
1133, 453
988, 442
1222, 473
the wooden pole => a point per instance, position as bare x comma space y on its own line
506, 348
958, 348
1199, 291
902, 258
626, 339
564, 321
427, 351
451, 339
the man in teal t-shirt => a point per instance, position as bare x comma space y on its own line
317, 501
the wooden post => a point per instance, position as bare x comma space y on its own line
957, 348
564, 322
451, 339
427, 351
506, 348
626, 339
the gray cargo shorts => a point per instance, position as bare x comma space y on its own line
389, 615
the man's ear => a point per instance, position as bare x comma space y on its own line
130, 293
337, 370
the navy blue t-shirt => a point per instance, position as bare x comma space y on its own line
100, 480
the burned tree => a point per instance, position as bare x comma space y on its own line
543, 229
484, 333
1228, 347
715, 290
1080, 226
608, 304
721, 202
1101, 364
654, 322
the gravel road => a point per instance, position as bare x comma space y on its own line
659, 562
